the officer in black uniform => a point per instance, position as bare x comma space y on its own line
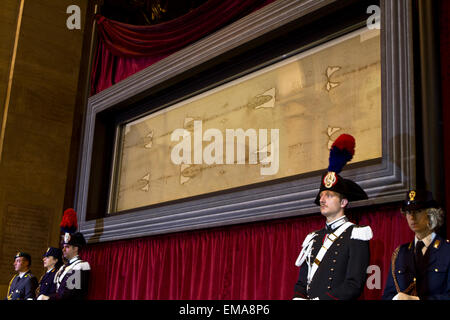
333, 261
420, 270
23, 285
72, 279
52, 259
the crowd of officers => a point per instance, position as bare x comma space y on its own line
66, 276
333, 260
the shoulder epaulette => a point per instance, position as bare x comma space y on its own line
361, 233
83, 265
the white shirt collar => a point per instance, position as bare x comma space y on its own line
427, 240
74, 259
337, 223
21, 274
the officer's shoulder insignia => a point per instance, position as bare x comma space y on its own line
361, 233
436, 244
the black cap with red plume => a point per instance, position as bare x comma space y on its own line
341, 152
69, 227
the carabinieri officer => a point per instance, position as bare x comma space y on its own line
333, 261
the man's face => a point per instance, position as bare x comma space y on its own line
21, 264
418, 221
330, 203
69, 251
49, 262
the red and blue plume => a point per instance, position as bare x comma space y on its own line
341, 152
69, 221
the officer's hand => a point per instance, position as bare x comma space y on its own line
404, 296
43, 297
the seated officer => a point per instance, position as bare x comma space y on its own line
52, 261
23, 285
420, 270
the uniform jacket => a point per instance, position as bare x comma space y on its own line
341, 274
72, 281
22, 288
433, 282
47, 285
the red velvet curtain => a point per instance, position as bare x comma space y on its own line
444, 9
252, 261
126, 49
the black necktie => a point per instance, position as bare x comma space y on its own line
418, 251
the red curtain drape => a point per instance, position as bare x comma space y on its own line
444, 9
125, 49
251, 261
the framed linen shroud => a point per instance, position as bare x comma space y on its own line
277, 122
292, 188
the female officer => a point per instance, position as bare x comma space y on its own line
52, 261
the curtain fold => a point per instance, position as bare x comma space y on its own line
444, 26
251, 261
125, 49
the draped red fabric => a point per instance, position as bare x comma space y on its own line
444, 9
251, 261
390, 230
125, 49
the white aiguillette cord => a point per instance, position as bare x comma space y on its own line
306, 249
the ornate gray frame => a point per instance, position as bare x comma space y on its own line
384, 182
